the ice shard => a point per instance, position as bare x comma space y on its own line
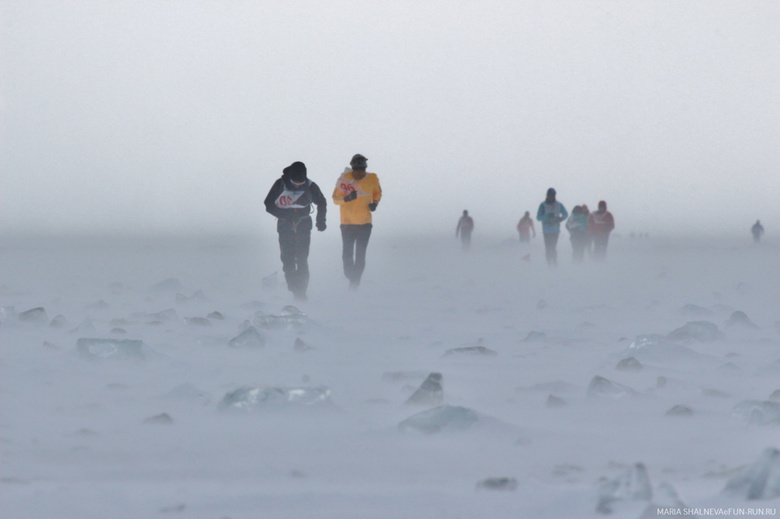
290, 318
249, 338
471, 350
430, 392
605, 388
252, 398
740, 320
99, 349
696, 331
34, 315
761, 480
443, 418
758, 412
632, 485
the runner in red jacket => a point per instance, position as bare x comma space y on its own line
600, 224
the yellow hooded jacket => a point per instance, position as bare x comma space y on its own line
368, 190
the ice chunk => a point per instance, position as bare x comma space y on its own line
665, 498
249, 398
429, 393
216, 316
775, 396
249, 338
160, 419
604, 388
110, 348
631, 485
759, 481
165, 315
300, 345
680, 410
34, 315
740, 320
696, 331
290, 318
500, 484
85, 327
656, 348
629, 364
758, 412
554, 401
691, 310
444, 418
470, 350
59, 321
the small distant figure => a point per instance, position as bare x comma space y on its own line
289, 200
551, 213
757, 230
358, 193
577, 225
525, 227
600, 224
464, 229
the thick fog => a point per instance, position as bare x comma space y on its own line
173, 116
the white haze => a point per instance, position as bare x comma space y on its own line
177, 116
75, 439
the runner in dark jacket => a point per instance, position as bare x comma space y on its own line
290, 200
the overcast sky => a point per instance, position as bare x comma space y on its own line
178, 115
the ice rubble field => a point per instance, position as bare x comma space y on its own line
538, 412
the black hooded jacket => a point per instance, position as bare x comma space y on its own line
292, 205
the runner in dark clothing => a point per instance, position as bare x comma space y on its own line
290, 200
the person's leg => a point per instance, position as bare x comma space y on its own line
577, 249
550, 244
600, 247
348, 250
361, 244
287, 253
302, 242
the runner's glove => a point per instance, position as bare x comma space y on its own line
321, 226
351, 196
372, 206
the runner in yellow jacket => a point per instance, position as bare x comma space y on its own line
357, 193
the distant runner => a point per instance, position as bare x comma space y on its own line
525, 227
577, 225
464, 229
601, 224
551, 213
757, 230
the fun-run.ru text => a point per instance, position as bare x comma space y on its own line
704, 512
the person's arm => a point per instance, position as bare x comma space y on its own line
564, 212
540, 212
322, 205
376, 195
270, 200
339, 193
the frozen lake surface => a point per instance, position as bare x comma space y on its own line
169, 378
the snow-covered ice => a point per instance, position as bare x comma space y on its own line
451, 384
